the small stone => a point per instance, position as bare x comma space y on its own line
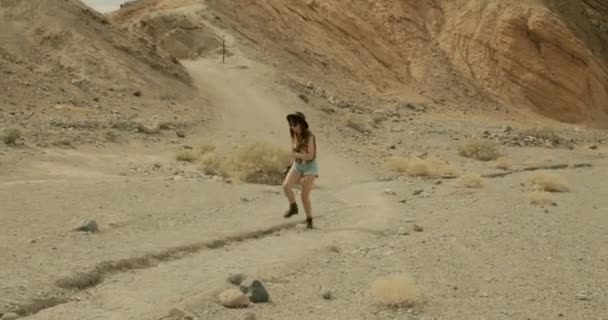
418, 228
137, 93
438, 182
582, 296
389, 191
180, 133
326, 294
593, 147
257, 292
249, 316
402, 231
88, 226
236, 279
233, 298
303, 97
244, 199
10, 316
417, 192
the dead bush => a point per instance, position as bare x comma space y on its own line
260, 163
61, 142
471, 181
541, 198
186, 156
395, 291
212, 164
480, 149
11, 136
545, 181
503, 164
206, 148
419, 167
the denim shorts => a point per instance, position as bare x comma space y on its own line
307, 169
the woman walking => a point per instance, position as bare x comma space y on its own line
303, 165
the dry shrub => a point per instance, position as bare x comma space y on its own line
480, 149
206, 148
260, 163
395, 291
186, 156
11, 136
213, 164
544, 181
419, 167
541, 198
503, 164
471, 181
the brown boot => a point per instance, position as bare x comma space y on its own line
308, 223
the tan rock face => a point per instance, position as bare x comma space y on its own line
547, 56
528, 57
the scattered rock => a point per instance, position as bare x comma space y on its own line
593, 147
582, 296
244, 199
389, 191
149, 128
257, 292
233, 298
236, 279
303, 97
88, 226
137, 93
180, 133
417, 192
249, 316
326, 294
418, 228
402, 231
10, 316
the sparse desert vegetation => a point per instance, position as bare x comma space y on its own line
419, 167
548, 182
480, 149
11, 136
471, 180
397, 290
503, 163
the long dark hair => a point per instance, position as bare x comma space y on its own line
304, 135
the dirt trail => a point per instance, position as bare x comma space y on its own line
245, 108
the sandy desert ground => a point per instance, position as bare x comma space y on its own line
520, 235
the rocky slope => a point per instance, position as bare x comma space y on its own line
65, 49
547, 57
61, 61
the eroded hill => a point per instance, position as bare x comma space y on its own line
62, 60
547, 57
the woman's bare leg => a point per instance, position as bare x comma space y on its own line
306, 189
290, 180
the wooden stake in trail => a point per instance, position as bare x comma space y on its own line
223, 49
